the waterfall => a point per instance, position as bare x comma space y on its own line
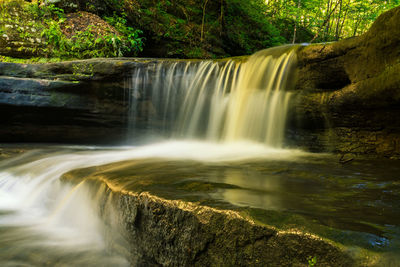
224, 101
211, 110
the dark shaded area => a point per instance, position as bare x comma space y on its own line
60, 125
175, 29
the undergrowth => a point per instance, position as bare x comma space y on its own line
40, 28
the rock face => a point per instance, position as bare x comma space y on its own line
179, 233
77, 101
176, 233
350, 92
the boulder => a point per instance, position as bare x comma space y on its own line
349, 93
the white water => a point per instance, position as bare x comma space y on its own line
216, 101
48, 220
216, 112
58, 218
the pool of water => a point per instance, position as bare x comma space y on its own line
46, 220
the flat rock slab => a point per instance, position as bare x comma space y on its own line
246, 213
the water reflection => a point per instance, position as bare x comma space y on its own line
44, 219
255, 190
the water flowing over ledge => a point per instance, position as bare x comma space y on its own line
54, 203
345, 99
224, 187
96, 220
173, 202
216, 101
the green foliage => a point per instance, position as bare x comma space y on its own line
230, 27
45, 11
195, 52
312, 261
54, 35
132, 42
47, 22
237, 27
84, 44
189, 28
327, 20
248, 27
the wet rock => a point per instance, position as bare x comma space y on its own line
75, 101
349, 91
179, 233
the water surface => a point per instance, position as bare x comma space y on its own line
45, 219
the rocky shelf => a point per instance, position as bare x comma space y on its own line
180, 233
180, 213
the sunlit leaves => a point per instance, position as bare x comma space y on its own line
332, 19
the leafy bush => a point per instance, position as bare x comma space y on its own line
45, 11
86, 44
132, 42
49, 24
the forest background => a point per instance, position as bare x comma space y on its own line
59, 30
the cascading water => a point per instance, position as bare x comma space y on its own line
225, 103
44, 221
226, 120
216, 101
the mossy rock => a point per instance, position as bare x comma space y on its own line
20, 38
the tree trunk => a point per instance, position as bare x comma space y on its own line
338, 20
296, 21
343, 20
202, 21
326, 21
323, 25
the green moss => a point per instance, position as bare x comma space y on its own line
32, 60
82, 70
